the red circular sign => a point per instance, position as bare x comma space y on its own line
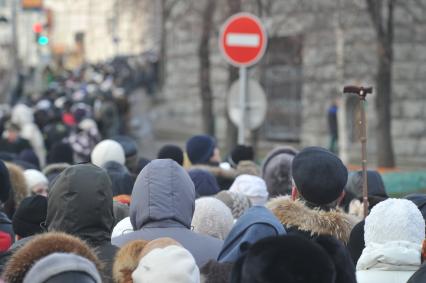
243, 39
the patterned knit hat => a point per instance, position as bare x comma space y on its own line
238, 203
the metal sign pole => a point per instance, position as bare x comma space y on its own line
362, 94
243, 102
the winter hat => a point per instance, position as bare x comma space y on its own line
237, 203
129, 145
394, 220
55, 266
216, 272
240, 153
248, 167
284, 259
29, 156
171, 152
61, 152
251, 186
212, 217
34, 179
205, 183
200, 148
319, 175
126, 260
375, 184
108, 150
41, 246
5, 185
172, 264
276, 171
122, 227
29, 216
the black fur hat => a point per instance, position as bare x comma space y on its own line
290, 259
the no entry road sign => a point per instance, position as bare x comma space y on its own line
243, 40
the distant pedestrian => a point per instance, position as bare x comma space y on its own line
333, 126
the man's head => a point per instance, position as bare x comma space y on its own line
12, 133
319, 176
202, 149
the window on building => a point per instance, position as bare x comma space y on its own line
282, 78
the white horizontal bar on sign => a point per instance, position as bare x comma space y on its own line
243, 39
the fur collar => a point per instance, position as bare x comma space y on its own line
217, 171
40, 246
127, 260
318, 222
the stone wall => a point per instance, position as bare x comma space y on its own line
325, 27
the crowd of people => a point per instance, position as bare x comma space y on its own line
79, 204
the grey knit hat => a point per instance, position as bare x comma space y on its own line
58, 263
237, 203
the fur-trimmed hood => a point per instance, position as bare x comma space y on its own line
294, 214
18, 182
41, 246
126, 261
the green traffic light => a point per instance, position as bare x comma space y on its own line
43, 40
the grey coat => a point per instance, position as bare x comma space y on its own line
163, 201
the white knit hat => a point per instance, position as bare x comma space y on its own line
212, 217
394, 220
33, 178
171, 264
108, 150
253, 187
122, 227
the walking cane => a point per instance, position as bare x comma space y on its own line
362, 94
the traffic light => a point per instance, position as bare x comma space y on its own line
39, 38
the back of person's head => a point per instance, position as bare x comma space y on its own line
63, 268
240, 153
289, 259
276, 171
420, 201
131, 151
41, 246
216, 272
29, 216
163, 191
237, 202
257, 223
251, 186
171, 264
28, 155
205, 182
394, 220
376, 186
5, 186
37, 182
80, 203
122, 180
319, 175
200, 148
212, 217
60, 152
171, 152
108, 150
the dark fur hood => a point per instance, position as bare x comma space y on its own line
41, 246
318, 222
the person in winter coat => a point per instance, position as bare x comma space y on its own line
257, 223
61, 268
12, 142
394, 233
7, 236
44, 245
284, 259
29, 216
163, 202
251, 186
204, 181
19, 189
22, 116
319, 178
84, 140
80, 203
122, 181
276, 171
204, 154
212, 217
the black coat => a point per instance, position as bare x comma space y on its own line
80, 204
